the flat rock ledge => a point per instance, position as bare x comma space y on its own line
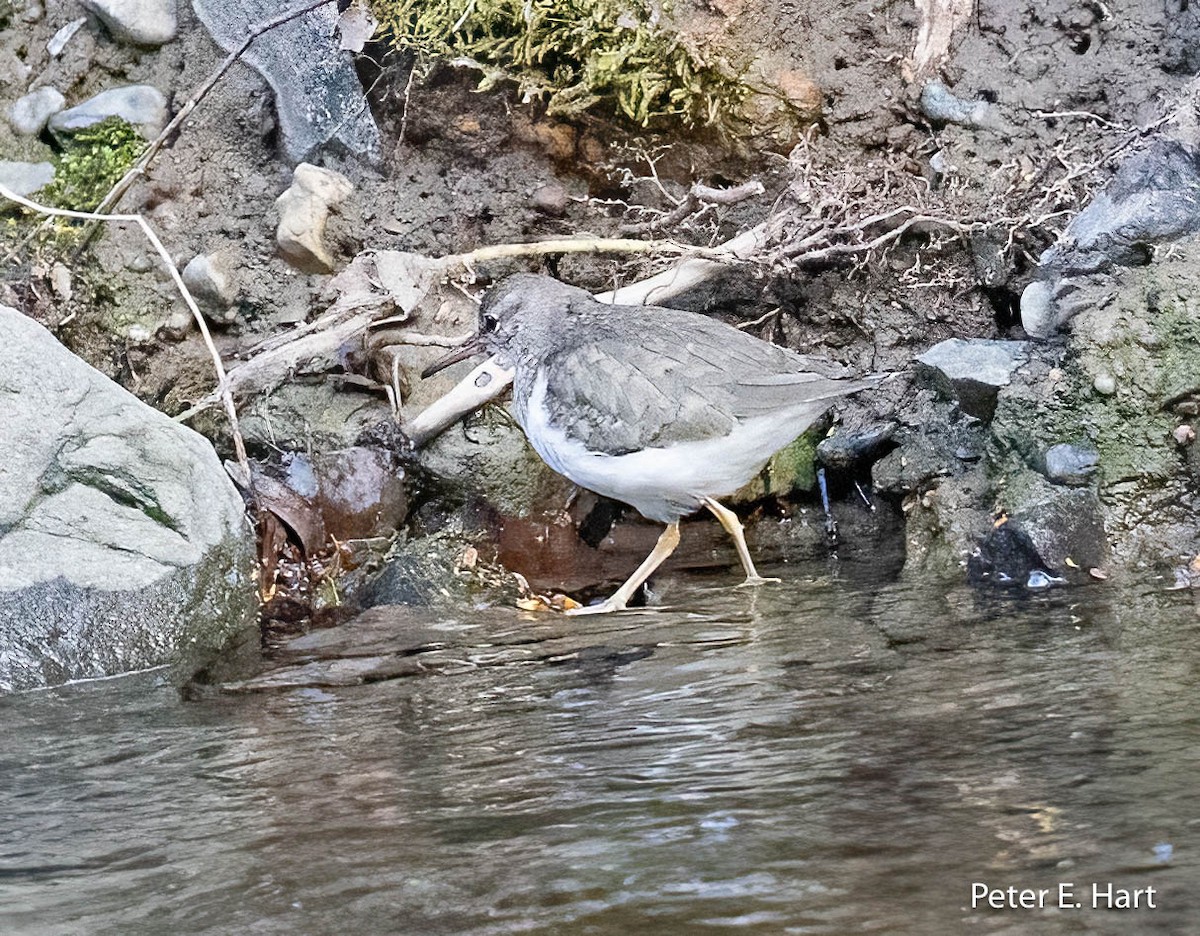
123, 544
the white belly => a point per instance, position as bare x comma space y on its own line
666, 483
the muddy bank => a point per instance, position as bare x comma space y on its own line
914, 208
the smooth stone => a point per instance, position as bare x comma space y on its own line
123, 544
1070, 464
29, 114
1037, 310
943, 107
550, 199
144, 106
303, 213
972, 371
209, 278
137, 22
25, 178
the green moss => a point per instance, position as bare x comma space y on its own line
792, 469
92, 162
575, 54
1151, 347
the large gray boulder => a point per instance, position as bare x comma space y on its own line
122, 542
318, 96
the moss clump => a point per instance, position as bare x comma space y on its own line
92, 162
576, 55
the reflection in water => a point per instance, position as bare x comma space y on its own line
826, 756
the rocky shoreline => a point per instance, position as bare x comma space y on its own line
1023, 262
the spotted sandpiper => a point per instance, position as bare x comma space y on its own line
663, 409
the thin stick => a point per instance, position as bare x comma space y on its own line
222, 383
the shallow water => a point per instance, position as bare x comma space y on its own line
832, 755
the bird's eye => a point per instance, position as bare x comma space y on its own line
489, 323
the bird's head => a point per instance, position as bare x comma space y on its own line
512, 315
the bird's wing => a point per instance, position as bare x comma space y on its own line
626, 386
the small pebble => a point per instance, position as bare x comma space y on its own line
60, 282
1105, 384
177, 326
28, 115
1184, 435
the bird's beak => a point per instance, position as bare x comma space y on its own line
470, 349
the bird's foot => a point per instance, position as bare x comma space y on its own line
604, 607
753, 580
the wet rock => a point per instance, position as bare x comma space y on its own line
210, 280
137, 22
350, 494
489, 460
319, 99
847, 449
29, 114
942, 107
1071, 465
1065, 525
303, 213
122, 543
25, 178
1008, 556
916, 462
144, 106
972, 371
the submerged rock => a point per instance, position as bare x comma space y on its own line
123, 545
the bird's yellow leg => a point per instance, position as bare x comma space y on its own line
664, 547
733, 526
